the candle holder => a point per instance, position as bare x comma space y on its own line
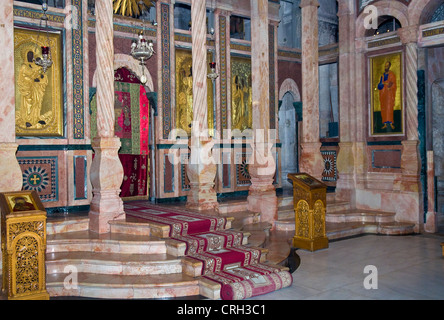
45, 61
213, 75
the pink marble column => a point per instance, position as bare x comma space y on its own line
345, 185
9, 168
106, 168
202, 168
311, 159
411, 160
262, 194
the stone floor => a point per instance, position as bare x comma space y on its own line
407, 268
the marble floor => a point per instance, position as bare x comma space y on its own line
407, 268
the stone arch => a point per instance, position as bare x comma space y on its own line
126, 61
420, 11
395, 9
289, 85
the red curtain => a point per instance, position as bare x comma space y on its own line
135, 166
135, 178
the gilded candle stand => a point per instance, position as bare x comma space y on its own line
23, 236
309, 200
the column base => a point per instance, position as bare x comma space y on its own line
262, 195
201, 171
106, 179
312, 161
106, 206
202, 197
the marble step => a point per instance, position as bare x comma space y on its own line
359, 215
193, 267
242, 218
55, 225
284, 201
228, 207
112, 263
349, 229
211, 289
137, 226
118, 286
286, 221
339, 230
86, 241
178, 248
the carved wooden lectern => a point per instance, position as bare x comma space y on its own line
310, 202
23, 225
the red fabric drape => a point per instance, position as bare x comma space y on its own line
144, 122
135, 168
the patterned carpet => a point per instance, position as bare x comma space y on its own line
224, 259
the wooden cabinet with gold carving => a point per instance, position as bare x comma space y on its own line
310, 202
23, 239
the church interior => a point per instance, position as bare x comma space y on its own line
220, 149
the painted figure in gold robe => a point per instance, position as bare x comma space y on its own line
32, 83
185, 99
241, 110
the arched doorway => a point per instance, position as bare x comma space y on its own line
134, 119
289, 104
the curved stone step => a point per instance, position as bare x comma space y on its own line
194, 267
121, 286
111, 243
66, 224
112, 263
396, 228
359, 215
178, 248
337, 230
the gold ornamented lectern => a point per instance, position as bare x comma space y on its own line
310, 201
23, 220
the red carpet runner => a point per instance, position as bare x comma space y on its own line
225, 260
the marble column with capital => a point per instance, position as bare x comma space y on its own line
106, 168
411, 159
262, 192
348, 146
311, 159
202, 168
410, 181
9, 168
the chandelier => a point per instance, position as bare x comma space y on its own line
142, 49
212, 75
45, 61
